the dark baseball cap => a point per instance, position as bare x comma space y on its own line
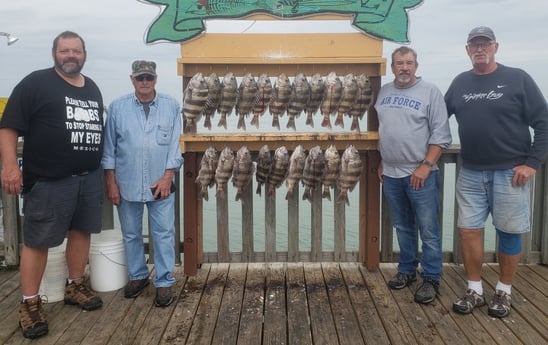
481, 31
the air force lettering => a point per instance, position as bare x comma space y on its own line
400, 101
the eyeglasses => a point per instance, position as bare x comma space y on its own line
482, 45
142, 77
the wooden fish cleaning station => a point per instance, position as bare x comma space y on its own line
290, 54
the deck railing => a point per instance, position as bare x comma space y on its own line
375, 234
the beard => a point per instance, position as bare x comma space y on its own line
67, 68
404, 78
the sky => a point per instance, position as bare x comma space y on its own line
114, 32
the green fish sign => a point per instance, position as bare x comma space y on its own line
182, 20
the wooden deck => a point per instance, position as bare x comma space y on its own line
292, 303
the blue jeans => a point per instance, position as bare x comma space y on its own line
411, 210
161, 220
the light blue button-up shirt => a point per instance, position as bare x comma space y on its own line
141, 148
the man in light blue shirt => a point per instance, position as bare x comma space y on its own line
141, 156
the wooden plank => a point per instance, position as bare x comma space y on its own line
293, 225
347, 325
323, 327
208, 310
251, 322
399, 330
537, 276
178, 326
339, 211
316, 226
190, 209
270, 225
275, 329
298, 320
247, 223
10, 213
226, 331
369, 221
223, 245
371, 327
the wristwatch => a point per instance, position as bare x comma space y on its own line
428, 163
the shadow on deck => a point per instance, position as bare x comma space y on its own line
292, 303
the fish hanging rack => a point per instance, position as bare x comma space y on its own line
291, 54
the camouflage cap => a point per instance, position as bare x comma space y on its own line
140, 67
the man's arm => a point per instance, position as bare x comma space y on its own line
12, 178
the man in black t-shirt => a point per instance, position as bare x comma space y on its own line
59, 113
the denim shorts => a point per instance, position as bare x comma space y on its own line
480, 192
52, 207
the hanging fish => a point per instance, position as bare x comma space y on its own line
242, 171
206, 175
247, 93
331, 99
264, 163
317, 90
348, 98
350, 172
194, 99
332, 166
363, 100
280, 98
264, 93
213, 98
314, 168
300, 96
229, 97
278, 171
224, 170
296, 167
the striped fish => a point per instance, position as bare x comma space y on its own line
363, 100
296, 168
317, 90
224, 170
278, 171
194, 99
348, 98
280, 98
332, 166
264, 163
247, 94
206, 175
242, 171
314, 168
213, 98
229, 97
264, 93
349, 174
331, 99
300, 95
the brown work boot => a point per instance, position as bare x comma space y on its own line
77, 293
32, 318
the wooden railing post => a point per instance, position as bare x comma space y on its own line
192, 216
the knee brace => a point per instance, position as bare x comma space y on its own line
509, 244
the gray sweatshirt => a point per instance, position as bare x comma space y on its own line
410, 119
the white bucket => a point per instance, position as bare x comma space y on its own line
55, 275
107, 261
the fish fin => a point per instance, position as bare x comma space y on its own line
310, 120
339, 120
222, 121
207, 122
255, 121
275, 121
241, 122
291, 123
355, 126
326, 193
190, 127
343, 196
326, 122
259, 188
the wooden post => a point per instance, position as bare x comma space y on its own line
191, 243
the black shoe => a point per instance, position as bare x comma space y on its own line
427, 291
164, 296
500, 305
401, 280
135, 287
467, 303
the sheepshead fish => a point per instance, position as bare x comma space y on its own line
194, 99
206, 175
247, 93
350, 172
264, 163
242, 171
278, 171
213, 98
300, 95
332, 165
296, 168
224, 170
314, 167
317, 90
229, 97
348, 97
264, 93
280, 98
363, 100
331, 99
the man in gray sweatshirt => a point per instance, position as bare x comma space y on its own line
413, 131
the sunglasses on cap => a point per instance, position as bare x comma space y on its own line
142, 77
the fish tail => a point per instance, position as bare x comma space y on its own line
259, 189
207, 122
289, 194
339, 120
343, 196
326, 193
310, 120
275, 121
190, 127
238, 195
271, 191
326, 122
222, 121
255, 121
241, 122
205, 194
291, 123
307, 195
355, 126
